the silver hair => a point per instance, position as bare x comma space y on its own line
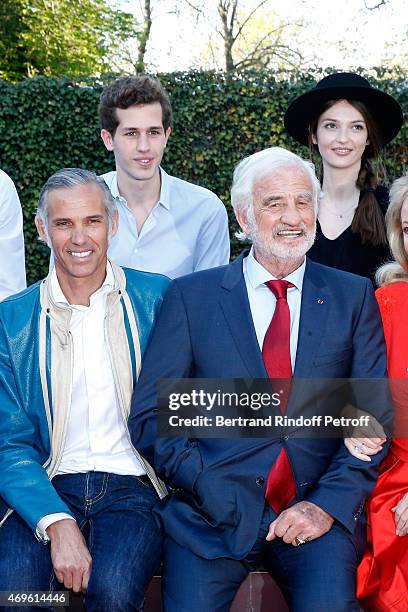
72, 177
262, 164
398, 269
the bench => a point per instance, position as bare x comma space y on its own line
258, 593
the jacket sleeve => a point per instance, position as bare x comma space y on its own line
169, 355
348, 481
24, 483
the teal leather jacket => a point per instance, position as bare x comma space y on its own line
35, 383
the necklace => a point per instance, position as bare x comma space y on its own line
344, 213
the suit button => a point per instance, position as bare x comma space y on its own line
259, 481
285, 438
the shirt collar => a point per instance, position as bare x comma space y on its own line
59, 298
113, 186
164, 197
258, 275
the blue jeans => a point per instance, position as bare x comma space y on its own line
114, 515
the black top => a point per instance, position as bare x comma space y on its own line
346, 252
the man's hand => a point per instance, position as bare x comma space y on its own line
401, 516
69, 555
304, 520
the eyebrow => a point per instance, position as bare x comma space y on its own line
279, 196
354, 121
59, 219
273, 196
151, 127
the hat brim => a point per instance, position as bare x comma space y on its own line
385, 110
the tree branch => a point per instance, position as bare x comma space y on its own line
144, 37
376, 6
249, 17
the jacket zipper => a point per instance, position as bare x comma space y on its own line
54, 468
149, 471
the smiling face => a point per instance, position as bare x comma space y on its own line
283, 223
139, 141
78, 232
341, 136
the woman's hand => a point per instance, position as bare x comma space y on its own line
362, 441
401, 516
363, 448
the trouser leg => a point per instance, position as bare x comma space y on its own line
123, 538
25, 563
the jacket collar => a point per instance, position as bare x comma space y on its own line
235, 305
61, 313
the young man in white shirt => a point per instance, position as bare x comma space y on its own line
167, 225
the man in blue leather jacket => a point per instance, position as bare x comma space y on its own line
75, 495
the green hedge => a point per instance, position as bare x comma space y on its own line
47, 124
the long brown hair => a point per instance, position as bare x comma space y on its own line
368, 220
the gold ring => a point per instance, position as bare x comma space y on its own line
299, 541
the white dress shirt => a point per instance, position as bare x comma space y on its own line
186, 231
96, 437
12, 264
262, 300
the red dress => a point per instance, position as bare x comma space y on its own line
382, 577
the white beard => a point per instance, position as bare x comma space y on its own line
268, 246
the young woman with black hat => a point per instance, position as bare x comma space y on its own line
349, 121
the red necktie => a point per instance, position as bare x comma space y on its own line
280, 486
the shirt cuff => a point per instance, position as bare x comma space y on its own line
48, 520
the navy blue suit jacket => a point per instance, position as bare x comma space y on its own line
205, 330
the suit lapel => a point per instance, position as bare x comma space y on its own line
235, 305
314, 311
313, 314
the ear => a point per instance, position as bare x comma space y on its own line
115, 224
107, 139
40, 229
167, 135
242, 221
314, 139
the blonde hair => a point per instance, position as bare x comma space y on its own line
398, 269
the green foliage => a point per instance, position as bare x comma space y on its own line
47, 124
60, 37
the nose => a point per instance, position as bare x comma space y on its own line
290, 213
342, 134
78, 236
143, 142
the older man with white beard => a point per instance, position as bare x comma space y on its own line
286, 502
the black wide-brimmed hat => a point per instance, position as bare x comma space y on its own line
386, 111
